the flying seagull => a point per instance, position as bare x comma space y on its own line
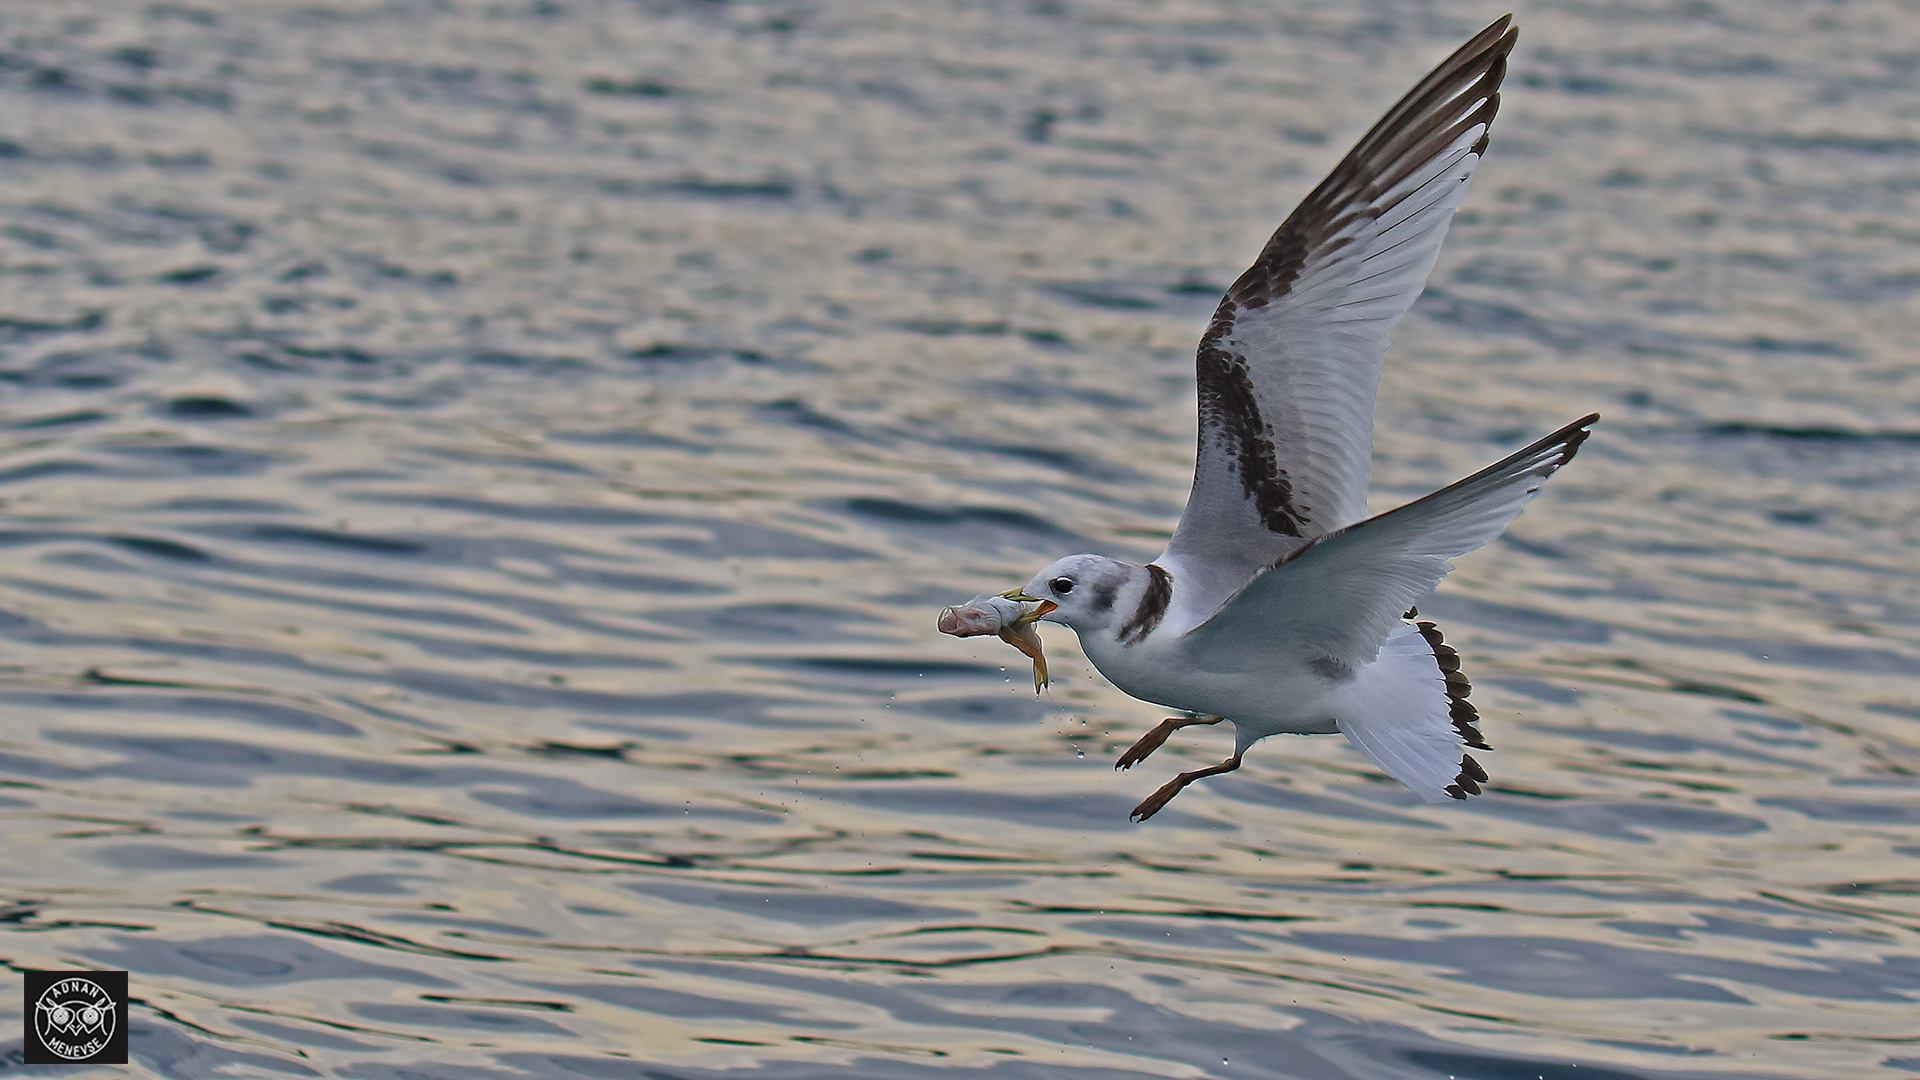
1275, 607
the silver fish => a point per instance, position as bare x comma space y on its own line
1001, 614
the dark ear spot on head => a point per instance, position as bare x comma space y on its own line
1104, 593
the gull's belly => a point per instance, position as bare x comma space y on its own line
1282, 698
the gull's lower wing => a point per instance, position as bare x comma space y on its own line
1288, 368
1334, 601
1410, 716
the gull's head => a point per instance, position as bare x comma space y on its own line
1083, 589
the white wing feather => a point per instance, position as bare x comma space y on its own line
1288, 369
1340, 596
1399, 713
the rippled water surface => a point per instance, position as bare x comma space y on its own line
478, 478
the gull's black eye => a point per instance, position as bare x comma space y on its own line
1061, 586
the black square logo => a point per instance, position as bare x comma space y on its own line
76, 1017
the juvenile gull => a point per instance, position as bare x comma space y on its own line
1276, 607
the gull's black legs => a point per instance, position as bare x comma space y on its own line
1152, 740
1158, 799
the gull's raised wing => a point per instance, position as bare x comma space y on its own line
1333, 602
1288, 368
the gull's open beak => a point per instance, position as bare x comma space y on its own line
1034, 615
1031, 616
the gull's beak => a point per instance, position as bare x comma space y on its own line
1031, 616
1034, 615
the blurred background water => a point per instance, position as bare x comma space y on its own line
478, 478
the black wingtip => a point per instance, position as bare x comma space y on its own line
1498, 29
1462, 712
1573, 435
1567, 440
1470, 778
1501, 33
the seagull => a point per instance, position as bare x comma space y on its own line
1276, 607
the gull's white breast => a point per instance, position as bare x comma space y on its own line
1277, 697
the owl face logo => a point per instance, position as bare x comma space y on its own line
74, 1018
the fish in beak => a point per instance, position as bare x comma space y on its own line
1008, 616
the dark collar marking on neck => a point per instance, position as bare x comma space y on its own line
1153, 606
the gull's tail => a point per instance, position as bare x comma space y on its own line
1408, 712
